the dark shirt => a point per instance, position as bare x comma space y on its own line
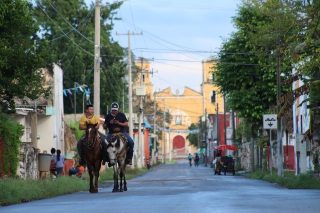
121, 117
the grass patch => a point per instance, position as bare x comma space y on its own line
171, 162
289, 180
15, 190
107, 175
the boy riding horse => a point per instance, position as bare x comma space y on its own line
89, 118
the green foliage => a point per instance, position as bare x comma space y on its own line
289, 180
74, 126
14, 190
19, 55
243, 132
10, 133
193, 137
18, 190
316, 163
266, 31
67, 30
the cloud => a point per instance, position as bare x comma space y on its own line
178, 73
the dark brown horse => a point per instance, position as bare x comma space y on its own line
117, 150
93, 155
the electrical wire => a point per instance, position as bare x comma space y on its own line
66, 21
81, 48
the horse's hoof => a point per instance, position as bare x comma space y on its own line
121, 190
91, 190
115, 190
125, 189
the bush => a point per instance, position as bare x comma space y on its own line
74, 126
10, 133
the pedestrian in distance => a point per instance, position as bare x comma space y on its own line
196, 160
53, 169
190, 159
59, 163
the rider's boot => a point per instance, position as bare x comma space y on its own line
82, 161
105, 158
129, 156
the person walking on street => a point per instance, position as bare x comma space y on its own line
190, 159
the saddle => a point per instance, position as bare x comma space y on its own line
120, 136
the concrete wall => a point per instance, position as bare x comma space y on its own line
28, 162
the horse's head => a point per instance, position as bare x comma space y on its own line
91, 132
114, 148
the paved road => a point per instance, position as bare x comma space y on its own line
178, 188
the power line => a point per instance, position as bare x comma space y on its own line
89, 53
66, 21
81, 22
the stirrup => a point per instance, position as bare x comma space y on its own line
129, 161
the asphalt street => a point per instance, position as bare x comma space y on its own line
178, 188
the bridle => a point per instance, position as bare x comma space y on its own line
91, 136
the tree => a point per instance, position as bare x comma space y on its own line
193, 136
265, 31
19, 56
67, 30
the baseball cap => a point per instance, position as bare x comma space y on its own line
115, 106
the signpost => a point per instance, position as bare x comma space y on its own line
270, 122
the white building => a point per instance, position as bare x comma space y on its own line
43, 123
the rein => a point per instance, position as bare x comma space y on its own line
91, 143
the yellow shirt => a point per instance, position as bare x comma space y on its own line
93, 120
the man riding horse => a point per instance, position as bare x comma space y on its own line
117, 122
89, 118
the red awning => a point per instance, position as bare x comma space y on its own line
226, 147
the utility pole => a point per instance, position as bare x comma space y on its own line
203, 80
279, 120
154, 127
75, 101
164, 136
217, 122
129, 34
206, 136
97, 59
225, 119
140, 135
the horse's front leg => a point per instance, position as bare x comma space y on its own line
121, 177
124, 178
115, 178
91, 190
96, 177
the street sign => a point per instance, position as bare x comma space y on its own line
270, 121
141, 90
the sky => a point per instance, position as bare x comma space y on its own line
176, 36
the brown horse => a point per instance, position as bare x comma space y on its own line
117, 148
93, 155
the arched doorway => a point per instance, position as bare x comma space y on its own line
179, 144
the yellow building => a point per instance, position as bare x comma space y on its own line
143, 78
188, 108
212, 99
